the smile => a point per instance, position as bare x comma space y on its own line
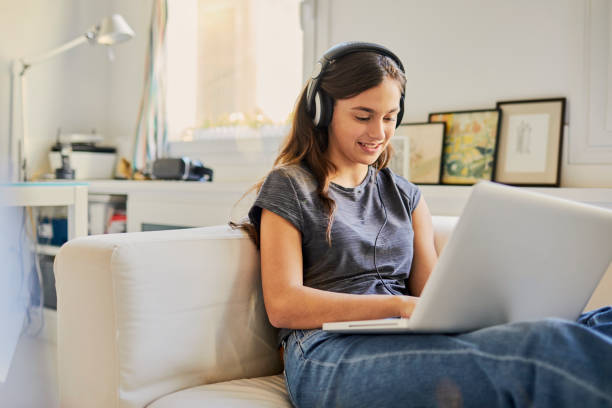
369, 147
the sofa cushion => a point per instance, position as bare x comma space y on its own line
248, 393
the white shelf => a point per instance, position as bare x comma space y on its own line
124, 187
450, 200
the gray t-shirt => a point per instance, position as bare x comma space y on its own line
348, 265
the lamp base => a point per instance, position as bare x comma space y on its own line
63, 173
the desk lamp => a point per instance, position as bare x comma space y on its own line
111, 30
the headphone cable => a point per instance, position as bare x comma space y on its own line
376, 239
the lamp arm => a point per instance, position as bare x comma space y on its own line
17, 139
19, 67
28, 62
14, 163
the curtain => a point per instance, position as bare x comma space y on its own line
152, 128
20, 283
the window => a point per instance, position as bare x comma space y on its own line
231, 64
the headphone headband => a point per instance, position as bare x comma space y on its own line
349, 47
319, 105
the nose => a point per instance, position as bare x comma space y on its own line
377, 130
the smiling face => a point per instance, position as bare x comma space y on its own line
362, 126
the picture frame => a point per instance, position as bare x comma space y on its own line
470, 145
531, 142
418, 151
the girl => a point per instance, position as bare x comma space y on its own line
344, 238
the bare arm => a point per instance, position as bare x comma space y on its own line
292, 305
425, 256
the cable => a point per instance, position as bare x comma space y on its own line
34, 281
41, 288
376, 239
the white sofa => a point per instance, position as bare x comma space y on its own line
168, 319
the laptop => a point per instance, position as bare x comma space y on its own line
514, 255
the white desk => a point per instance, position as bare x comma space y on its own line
72, 194
184, 203
176, 203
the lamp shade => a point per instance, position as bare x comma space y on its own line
113, 30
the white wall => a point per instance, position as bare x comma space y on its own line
468, 54
459, 55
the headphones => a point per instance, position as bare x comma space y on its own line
320, 105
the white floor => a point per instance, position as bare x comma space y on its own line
32, 377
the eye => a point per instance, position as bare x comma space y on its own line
362, 118
391, 119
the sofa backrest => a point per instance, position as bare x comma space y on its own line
141, 315
443, 227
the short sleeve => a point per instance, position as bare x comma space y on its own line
278, 195
410, 192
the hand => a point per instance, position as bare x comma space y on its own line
406, 305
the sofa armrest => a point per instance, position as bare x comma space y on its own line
141, 315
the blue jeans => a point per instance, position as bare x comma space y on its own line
548, 363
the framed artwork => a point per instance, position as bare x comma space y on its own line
530, 142
470, 144
418, 152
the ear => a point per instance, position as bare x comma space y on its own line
327, 109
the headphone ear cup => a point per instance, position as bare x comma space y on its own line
400, 114
326, 108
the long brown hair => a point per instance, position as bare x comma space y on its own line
345, 77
